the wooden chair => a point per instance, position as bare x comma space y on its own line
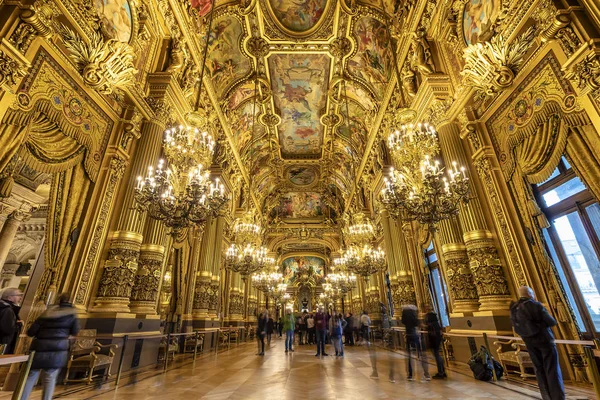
88, 356
169, 350
190, 343
513, 353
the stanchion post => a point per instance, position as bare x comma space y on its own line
167, 347
218, 340
196, 346
593, 369
18, 393
487, 346
125, 339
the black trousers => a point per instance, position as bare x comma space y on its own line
547, 369
349, 337
261, 342
435, 348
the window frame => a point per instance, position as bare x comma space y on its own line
575, 203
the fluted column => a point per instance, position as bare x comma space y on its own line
236, 298
389, 239
405, 293
484, 262
144, 294
202, 290
9, 231
120, 268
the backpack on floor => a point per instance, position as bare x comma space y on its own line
481, 364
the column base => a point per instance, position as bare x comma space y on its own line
111, 305
143, 307
489, 303
200, 314
462, 306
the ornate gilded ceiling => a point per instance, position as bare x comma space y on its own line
299, 84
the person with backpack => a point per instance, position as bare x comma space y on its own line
434, 336
51, 332
532, 322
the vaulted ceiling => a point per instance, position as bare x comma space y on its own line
300, 83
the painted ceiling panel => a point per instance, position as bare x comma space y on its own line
226, 62
242, 125
300, 92
298, 15
373, 61
353, 129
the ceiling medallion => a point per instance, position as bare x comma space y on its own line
299, 18
301, 175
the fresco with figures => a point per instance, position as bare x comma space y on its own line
298, 16
353, 129
299, 205
478, 19
299, 87
226, 62
241, 124
373, 60
295, 267
116, 19
240, 94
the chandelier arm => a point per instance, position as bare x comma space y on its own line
210, 20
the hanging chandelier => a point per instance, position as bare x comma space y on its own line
179, 192
364, 260
341, 280
246, 255
422, 189
266, 280
277, 292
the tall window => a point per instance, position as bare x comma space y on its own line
572, 239
437, 285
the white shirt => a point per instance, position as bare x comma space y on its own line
310, 323
365, 320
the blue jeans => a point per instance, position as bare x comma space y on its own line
321, 336
289, 339
49, 381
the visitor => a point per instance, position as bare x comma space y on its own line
310, 326
533, 322
263, 320
365, 326
289, 324
280, 327
50, 334
302, 329
434, 336
410, 320
10, 324
321, 330
349, 330
338, 326
270, 326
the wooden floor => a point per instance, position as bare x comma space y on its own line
240, 374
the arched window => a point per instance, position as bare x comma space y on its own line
572, 238
439, 293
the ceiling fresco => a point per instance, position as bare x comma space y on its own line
373, 60
244, 126
303, 269
226, 62
301, 175
299, 84
298, 16
353, 129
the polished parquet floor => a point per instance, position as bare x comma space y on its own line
240, 374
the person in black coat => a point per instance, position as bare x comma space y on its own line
10, 325
533, 323
261, 332
51, 332
349, 330
270, 327
410, 320
434, 337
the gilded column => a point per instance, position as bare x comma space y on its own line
484, 262
202, 291
9, 231
120, 268
406, 289
216, 263
144, 294
236, 298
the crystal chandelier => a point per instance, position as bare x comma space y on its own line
245, 255
422, 189
179, 192
364, 260
277, 292
341, 280
361, 230
266, 280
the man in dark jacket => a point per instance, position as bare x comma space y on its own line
321, 329
349, 330
410, 319
261, 332
10, 324
533, 322
434, 336
50, 334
